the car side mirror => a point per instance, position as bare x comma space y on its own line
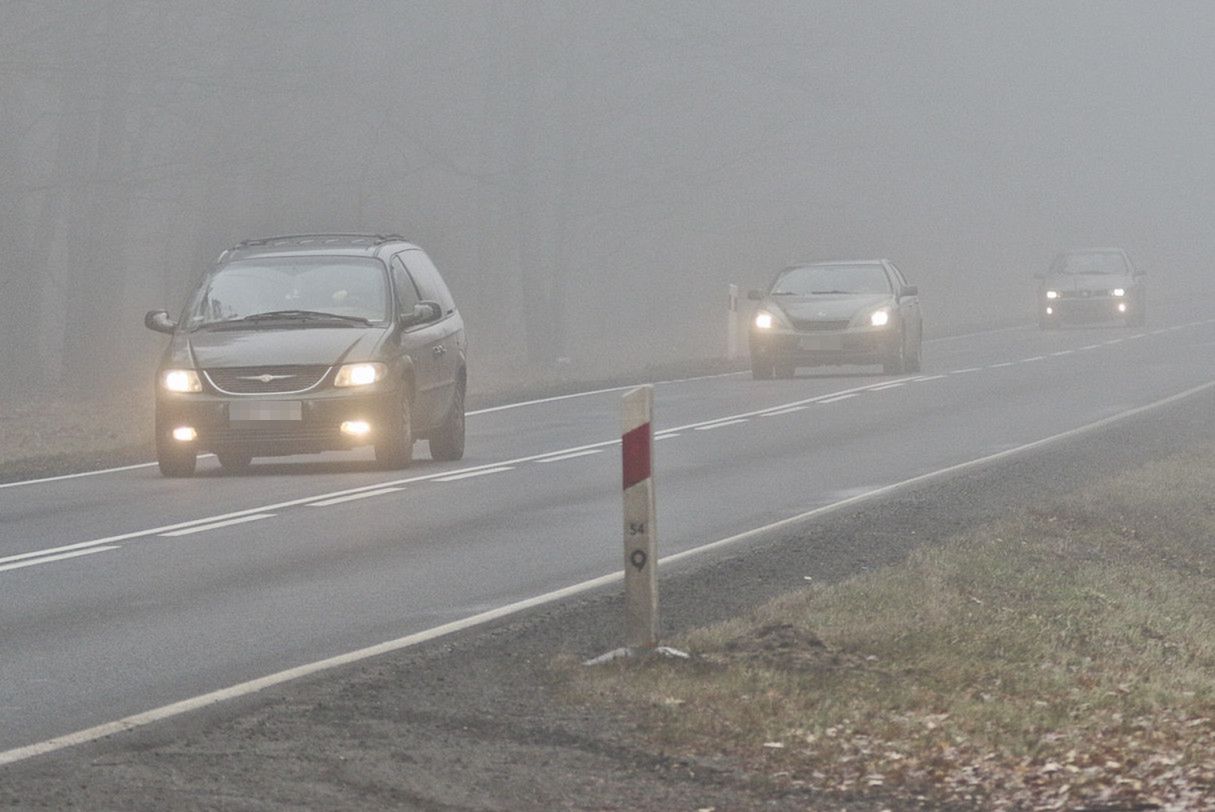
755, 295
159, 321
909, 290
422, 313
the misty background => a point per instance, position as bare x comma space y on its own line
588, 176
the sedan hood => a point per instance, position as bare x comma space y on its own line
829, 307
1093, 282
270, 347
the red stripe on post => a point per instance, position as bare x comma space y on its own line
635, 453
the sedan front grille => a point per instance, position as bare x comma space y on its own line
272, 380
810, 325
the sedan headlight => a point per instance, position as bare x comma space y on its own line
764, 320
880, 318
359, 374
1052, 294
1119, 291
181, 380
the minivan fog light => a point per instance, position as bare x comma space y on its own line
358, 374
356, 428
1122, 307
185, 434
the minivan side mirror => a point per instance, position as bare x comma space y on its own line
755, 295
159, 321
422, 313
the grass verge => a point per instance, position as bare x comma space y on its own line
1061, 658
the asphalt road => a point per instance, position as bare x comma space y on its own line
124, 591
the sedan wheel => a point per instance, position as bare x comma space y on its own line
897, 363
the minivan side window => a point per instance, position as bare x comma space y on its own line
407, 293
430, 284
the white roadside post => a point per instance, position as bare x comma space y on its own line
732, 325
640, 536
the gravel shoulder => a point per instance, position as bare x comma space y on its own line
481, 720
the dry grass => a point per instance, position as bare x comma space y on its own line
1059, 659
45, 427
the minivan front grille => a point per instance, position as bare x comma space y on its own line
270, 380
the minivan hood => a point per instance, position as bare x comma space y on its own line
829, 307
275, 347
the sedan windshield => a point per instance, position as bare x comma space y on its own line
260, 291
810, 280
1103, 262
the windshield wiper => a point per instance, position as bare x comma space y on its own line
316, 315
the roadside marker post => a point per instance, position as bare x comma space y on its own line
640, 532
732, 325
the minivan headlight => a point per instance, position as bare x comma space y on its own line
1119, 291
1052, 294
181, 380
359, 374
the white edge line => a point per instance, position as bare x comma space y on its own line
350, 498
253, 686
51, 558
789, 410
202, 528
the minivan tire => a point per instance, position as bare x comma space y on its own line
175, 461
447, 442
395, 450
234, 462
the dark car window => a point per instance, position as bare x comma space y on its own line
1103, 262
343, 286
822, 279
407, 294
430, 284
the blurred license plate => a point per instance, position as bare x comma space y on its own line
265, 410
820, 343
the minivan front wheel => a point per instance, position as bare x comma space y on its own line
395, 448
175, 459
447, 443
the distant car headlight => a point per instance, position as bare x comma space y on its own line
764, 320
1052, 294
181, 380
359, 374
880, 318
1119, 291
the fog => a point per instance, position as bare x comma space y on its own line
589, 176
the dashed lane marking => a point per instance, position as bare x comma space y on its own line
31, 562
588, 452
789, 410
471, 474
712, 426
838, 398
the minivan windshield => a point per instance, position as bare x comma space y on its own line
810, 280
344, 288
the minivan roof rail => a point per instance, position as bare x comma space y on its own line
376, 238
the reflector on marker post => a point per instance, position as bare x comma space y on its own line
640, 537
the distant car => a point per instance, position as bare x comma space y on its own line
1091, 285
311, 343
836, 313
